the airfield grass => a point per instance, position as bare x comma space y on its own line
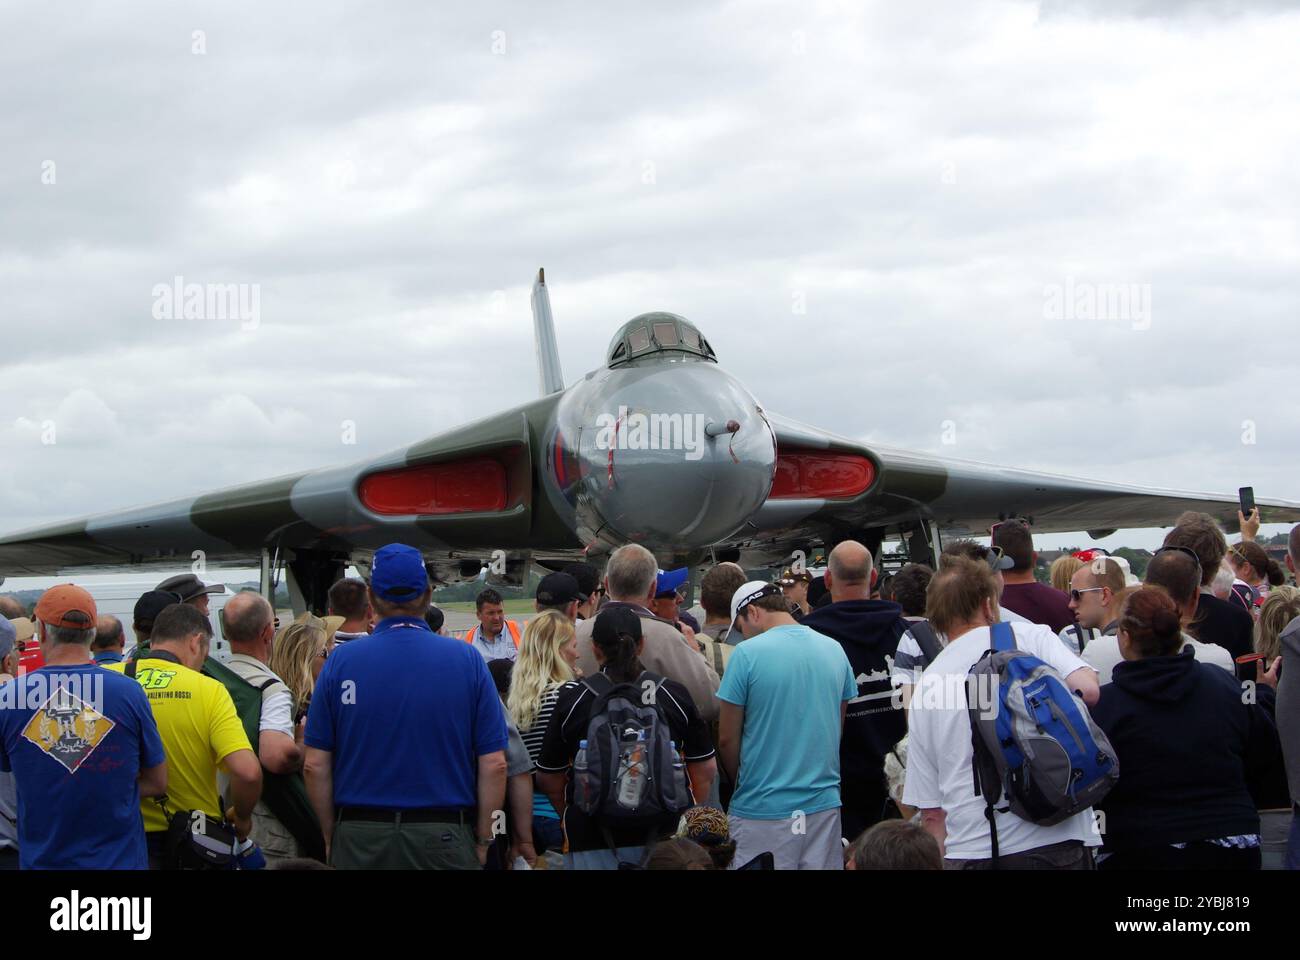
513, 607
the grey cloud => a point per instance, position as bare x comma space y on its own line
381, 174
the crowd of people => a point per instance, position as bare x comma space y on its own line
806, 722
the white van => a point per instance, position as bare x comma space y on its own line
118, 600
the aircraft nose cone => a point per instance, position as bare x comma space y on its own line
683, 457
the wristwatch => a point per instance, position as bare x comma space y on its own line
483, 843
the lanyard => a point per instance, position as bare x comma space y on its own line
402, 623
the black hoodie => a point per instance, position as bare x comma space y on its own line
1187, 748
869, 631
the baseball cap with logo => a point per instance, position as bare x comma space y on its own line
558, 588
187, 586
67, 605
790, 577
668, 582
748, 593
397, 573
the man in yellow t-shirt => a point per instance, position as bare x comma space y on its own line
199, 728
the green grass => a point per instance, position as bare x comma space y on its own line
513, 608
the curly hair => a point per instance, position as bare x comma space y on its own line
539, 668
294, 653
909, 588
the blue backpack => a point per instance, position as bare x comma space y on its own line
1037, 747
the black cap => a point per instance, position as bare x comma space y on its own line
187, 586
153, 603
612, 622
587, 576
557, 589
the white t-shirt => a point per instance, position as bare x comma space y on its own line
1010, 616
277, 701
1103, 655
939, 750
907, 661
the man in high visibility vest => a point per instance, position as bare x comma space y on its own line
495, 637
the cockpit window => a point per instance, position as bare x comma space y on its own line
659, 332
666, 334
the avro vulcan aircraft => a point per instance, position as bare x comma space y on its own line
660, 446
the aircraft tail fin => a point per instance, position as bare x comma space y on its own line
548, 353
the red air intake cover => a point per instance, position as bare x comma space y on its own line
820, 474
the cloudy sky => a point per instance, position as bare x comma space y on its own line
868, 208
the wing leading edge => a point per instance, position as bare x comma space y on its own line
966, 497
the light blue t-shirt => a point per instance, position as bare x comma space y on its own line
791, 682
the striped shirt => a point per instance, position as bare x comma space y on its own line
535, 734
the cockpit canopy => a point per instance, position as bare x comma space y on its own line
657, 333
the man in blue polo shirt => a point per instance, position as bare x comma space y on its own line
83, 747
406, 737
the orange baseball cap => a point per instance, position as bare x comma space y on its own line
67, 605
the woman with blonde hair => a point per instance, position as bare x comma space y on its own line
1280, 607
1063, 568
297, 656
548, 651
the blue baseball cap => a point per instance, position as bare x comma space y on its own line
668, 582
397, 573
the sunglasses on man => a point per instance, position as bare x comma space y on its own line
1077, 595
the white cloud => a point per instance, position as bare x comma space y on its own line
391, 184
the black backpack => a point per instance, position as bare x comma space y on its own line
630, 777
926, 639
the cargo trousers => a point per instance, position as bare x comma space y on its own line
363, 845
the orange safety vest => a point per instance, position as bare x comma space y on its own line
510, 625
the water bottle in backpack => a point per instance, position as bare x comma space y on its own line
632, 774
632, 768
581, 786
